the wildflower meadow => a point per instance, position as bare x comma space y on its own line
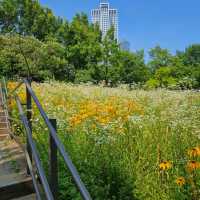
126, 145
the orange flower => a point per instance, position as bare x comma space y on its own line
193, 165
194, 152
75, 120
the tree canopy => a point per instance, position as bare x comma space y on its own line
76, 51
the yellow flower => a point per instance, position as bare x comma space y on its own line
165, 165
75, 120
180, 181
84, 116
12, 85
108, 111
94, 127
119, 130
103, 120
22, 96
194, 152
193, 165
111, 110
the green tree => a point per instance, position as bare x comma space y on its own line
52, 59
164, 77
110, 63
28, 17
191, 58
83, 46
8, 15
192, 55
159, 58
14, 52
45, 60
133, 68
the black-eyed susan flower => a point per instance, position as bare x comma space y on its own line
165, 165
180, 181
194, 152
193, 165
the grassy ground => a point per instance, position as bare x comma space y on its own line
126, 145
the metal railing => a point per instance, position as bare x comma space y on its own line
4, 118
50, 189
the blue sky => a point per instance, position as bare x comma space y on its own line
174, 24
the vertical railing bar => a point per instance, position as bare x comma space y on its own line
35, 154
32, 175
53, 173
5, 87
29, 118
4, 105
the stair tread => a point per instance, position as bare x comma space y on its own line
28, 197
12, 163
12, 179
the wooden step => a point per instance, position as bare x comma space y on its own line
3, 136
4, 129
12, 179
4, 133
3, 124
2, 113
14, 182
14, 186
29, 197
3, 119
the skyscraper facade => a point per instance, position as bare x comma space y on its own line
106, 18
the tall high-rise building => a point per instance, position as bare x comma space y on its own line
106, 17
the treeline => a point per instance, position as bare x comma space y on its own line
34, 41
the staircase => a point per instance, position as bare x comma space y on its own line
14, 182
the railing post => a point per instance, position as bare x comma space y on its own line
5, 87
53, 173
29, 117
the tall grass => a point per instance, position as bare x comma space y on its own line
126, 145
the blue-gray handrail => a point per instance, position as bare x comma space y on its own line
32, 147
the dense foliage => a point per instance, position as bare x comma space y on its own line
34, 41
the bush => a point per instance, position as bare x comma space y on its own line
152, 84
83, 76
187, 83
